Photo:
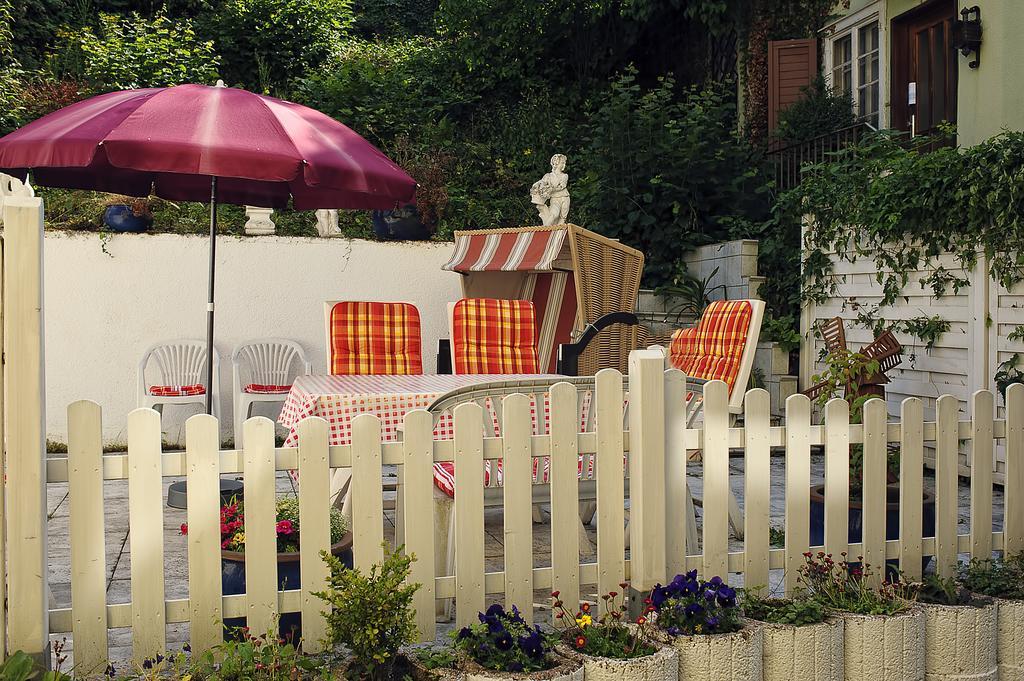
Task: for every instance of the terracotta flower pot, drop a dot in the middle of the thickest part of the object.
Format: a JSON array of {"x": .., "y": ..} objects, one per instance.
[
  {"x": 884, "y": 647},
  {"x": 661, "y": 665},
  {"x": 815, "y": 649},
  {"x": 233, "y": 582},
  {"x": 960, "y": 641},
  {"x": 721, "y": 657}
]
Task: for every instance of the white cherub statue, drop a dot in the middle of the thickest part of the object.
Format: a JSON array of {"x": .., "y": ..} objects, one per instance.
[{"x": 550, "y": 195}]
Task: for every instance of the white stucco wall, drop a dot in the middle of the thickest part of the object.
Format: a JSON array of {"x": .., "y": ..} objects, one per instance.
[{"x": 102, "y": 311}]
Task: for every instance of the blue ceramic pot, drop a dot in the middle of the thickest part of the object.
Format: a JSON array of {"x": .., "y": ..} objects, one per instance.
[
  {"x": 233, "y": 583},
  {"x": 401, "y": 224},
  {"x": 120, "y": 218},
  {"x": 856, "y": 519}
]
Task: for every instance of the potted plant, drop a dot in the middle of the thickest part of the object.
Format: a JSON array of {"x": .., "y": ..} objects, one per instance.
[
  {"x": 503, "y": 646},
  {"x": 883, "y": 631},
  {"x": 844, "y": 371},
  {"x": 371, "y": 615},
  {"x": 701, "y": 620},
  {"x": 799, "y": 633},
  {"x": 433, "y": 663},
  {"x": 608, "y": 647},
  {"x": 232, "y": 535},
  {"x": 128, "y": 214},
  {"x": 1003, "y": 580},
  {"x": 960, "y": 630}
]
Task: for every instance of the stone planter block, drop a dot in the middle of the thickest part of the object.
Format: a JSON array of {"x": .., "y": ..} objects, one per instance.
[
  {"x": 1010, "y": 640},
  {"x": 660, "y": 666},
  {"x": 259, "y": 222},
  {"x": 809, "y": 653},
  {"x": 883, "y": 648},
  {"x": 721, "y": 657},
  {"x": 960, "y": 642}
]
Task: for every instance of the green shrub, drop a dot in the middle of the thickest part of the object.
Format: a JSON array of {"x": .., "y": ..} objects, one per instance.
[
  {"x": 132, "y": 51},
  {"x": 371, "y": 614},
  {"x": 267, "y": 44},
  {"x": 666, "y": 174},
  {"x": 799, "y": 611},
  {"x": 1001, "y": 578},
  {"x": 819, "y": 111},
  {"x": 10, "y": 85}
]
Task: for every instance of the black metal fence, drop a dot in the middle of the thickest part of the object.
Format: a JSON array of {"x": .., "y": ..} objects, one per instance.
[{"x": 787, "y": 163}]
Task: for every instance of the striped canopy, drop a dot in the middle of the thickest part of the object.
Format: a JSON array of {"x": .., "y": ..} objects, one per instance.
[{"x": 511, "y": 250}]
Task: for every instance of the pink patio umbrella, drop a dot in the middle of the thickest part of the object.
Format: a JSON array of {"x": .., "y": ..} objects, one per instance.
[{"x": 198, "y": 143}]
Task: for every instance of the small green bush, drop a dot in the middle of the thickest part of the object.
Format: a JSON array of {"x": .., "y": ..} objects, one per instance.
[
  {"x": 372, "y": 614},
  {"x": 799, "y": 611},
  {"x": 819, "y": 111},
  {"x": 1001, "y": 578}
]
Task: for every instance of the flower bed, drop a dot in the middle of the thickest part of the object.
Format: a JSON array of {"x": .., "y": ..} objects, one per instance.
[
  {"x": 1003, "y": 580},
  {"x": 798, "y": 634}
]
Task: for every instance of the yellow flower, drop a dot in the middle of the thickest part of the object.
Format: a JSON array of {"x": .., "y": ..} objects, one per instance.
[
  {"x": 585, "y": 621},
  {"x": 239, "y": 538}
]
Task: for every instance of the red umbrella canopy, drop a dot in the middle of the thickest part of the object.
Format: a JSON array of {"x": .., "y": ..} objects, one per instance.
[{"x": 171, "y": 141}]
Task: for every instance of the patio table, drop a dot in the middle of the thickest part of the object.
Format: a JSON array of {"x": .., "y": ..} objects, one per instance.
[{"x": 340, "y": 398}]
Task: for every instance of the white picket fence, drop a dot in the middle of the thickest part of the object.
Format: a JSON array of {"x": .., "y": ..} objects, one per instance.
[{"x": 656, "y": 443}]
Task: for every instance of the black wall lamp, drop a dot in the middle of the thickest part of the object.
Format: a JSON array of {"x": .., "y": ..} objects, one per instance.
[{"x": 967, "y": 34}]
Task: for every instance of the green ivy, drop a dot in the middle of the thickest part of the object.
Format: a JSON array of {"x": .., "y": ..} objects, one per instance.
[{"x": 890, "y": 200}]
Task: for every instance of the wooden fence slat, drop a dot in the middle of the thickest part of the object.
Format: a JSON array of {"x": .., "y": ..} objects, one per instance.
[
  {"x": 911, "y": 485},
  {"x": 646, "y": 469},
  {"x": 367, "y": 493},
  {"x": 611, "y": 530},
  {"x": 677, "y": 499},
  {"x": 315, "y": 523},
  {"x": 837, "y": 477},
  {"x": 518, "y": 492},
  {"x": 26, "y": 530},
  {"x": 202, "y": 454},
  {"x": 261, "y": 581},
  {"x": 982, "y": 450},
  {"x": 798, "y": 486},
  {"x": 417, "y": 492},
  {"x": 565, "y": 506},
  {"x": 88, "y": 544},
  {"x": 469, "y": 513},
  {"x": 947, "y": 450},
  {"x": 873, "y": 489},
  {"x": 1013, "y": 531},
  {"x": 716, "y": 480},
  {"x": 757, "y": 488},
  {"x": 146, "y": 532}
]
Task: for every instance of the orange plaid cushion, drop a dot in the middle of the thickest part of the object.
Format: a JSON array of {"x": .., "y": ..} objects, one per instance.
[
  {"x": 713, "y": 349},
  {"x": 263, "y": 389},
  {"x": 491, "y": 336},
  {"x": 375, "y": 338},
  {"x": 177, "y": 390}
]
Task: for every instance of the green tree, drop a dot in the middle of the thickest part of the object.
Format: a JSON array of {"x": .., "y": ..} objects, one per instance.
[
  {"x": 131, "y": 52},
  {"x": 269, "y": 44}
]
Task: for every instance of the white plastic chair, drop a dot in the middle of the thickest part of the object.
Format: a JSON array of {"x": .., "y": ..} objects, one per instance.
[
  {"x": 270, "y": 362},
  {"x": 179, "y": 363}
]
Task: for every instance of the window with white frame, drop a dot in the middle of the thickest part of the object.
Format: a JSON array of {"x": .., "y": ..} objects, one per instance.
[{"x": 852, "y": 61}]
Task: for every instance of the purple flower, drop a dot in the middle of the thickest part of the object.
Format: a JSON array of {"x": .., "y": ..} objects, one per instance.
[
  {"x": 694, "y": 610},
  {"x": 709, "y": 596},
  {"x": 715, "y": 581},
  {"x": 712, "y": 623},
  {"x": 532, "y": 645},
  {"x": 504, "y": 642},
  {"x": 464, "y": 633},
  {"x": 496, "y": 610}
]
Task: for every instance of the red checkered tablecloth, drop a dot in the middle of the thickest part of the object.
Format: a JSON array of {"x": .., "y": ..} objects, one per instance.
[{"x": 339, "y": 399}]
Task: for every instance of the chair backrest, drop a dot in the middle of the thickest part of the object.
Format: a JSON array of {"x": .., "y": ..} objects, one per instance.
[
  {"x": 373, "y": 338},
  {"x": 721, "y": 346},
  {"x": 179, "y": 362},
  {"x": 490, "y": 395},
  {"x": 494, "y": 336},
  {"x": 269, "y": 361}
]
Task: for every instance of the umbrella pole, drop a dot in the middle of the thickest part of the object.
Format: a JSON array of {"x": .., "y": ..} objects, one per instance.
[{"x": 209, "y": 304}]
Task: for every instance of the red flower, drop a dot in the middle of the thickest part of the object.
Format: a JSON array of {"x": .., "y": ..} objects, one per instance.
[
  {"x": 641, "y": 620},
  {"x": 623, "y": 585},
  {"x": 581, "y": 641},
  {"x": 184, "y": 528},
  {"x": 554, "y": 594},
  {"x": 613, "y": 594},
  {"x": 284, "y": 527},
  {"x": 585, "y": 607}
]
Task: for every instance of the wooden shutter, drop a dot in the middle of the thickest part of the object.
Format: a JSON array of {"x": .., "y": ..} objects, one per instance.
[{"x": 792, "y": 65}]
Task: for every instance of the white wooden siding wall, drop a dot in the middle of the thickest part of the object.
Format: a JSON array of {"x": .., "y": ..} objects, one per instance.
[
  {"x": 471, "y": 585},
  {"x": 963, "y": 360}
]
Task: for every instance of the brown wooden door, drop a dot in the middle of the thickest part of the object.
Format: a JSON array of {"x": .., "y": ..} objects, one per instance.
[
  {"x": 923, "y": 54},
  {"x": 792, "y": 65}
]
